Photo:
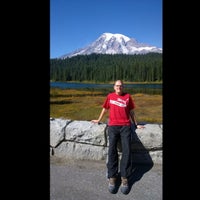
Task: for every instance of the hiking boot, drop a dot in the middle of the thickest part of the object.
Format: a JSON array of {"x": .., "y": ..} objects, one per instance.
[
  {"x": 112, "y": 185},
  {"x": 124, "y": 185}
]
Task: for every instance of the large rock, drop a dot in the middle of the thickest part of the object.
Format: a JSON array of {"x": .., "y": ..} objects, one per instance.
[{"x": 86, "y": 132}]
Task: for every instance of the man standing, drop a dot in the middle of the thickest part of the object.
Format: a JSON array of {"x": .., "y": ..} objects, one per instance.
[{"x": 121, "y": 112}]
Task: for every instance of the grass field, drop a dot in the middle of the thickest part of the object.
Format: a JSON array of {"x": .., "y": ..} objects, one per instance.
[{"x": 79, "y": 104}]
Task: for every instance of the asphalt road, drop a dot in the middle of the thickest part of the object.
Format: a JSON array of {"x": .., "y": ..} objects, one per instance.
[{"x": 86, "y": 180}]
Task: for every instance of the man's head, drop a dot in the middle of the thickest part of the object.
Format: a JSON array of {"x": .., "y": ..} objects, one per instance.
[{"x": 118, "y": 87}]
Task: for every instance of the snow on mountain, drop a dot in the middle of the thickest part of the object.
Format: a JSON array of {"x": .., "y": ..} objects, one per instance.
[{"x": 109, "y": 43}]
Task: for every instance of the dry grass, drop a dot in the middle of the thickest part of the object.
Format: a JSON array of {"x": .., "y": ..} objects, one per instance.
[{"x": 86, "y": 105}]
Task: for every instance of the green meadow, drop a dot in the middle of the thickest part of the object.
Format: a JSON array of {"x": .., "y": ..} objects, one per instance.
[{"x": 86, "y": 104}]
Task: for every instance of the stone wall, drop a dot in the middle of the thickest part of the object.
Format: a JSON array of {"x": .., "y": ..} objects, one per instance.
[{"x": 87, "y": 140}]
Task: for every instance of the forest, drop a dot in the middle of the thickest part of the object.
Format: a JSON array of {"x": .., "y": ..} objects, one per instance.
[{"x": 105, "y": 68}]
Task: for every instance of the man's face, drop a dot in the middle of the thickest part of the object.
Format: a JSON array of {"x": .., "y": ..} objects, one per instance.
[{"x": 118, "y": 87}]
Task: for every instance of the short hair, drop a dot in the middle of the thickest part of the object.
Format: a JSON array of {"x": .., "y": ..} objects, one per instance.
[{"x": 119, "y": 81}]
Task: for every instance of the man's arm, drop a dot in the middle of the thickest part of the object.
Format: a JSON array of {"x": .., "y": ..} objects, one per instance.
[
  {"x": 133, "y": 118},
  {"x": 100, "y": 116}
]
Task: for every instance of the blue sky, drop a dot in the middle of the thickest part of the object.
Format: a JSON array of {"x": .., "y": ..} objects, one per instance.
[{"x": 75, "y": 24}]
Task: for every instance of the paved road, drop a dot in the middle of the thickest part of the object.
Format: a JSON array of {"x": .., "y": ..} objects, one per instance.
[{"x": 86, "y": 180}]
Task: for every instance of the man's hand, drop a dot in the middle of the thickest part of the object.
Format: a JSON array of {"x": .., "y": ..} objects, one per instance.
[
  {"x": 95, "y": 121},
  {"x": 140, "y": 126}
]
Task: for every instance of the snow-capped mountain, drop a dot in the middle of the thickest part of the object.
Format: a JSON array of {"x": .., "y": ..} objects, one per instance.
[{"x": 109, "y": 43}]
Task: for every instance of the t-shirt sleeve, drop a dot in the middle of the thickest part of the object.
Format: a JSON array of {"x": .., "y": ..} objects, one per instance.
[{"x": 106, "y": 104}]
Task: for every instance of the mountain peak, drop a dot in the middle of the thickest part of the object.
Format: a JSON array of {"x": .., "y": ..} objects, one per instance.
[
  {"x": 109, "y": 43},
  {"x": 118, "y": 36}
]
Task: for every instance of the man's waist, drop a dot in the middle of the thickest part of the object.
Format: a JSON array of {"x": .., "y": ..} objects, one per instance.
[{"x": 119, "y": 123}]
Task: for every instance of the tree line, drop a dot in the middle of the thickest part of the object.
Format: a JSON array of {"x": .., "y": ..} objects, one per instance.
[{"x": 106, "y": 68}]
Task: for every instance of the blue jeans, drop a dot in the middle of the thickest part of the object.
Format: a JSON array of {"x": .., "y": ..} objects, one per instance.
[{"x": 116, "y": 133}]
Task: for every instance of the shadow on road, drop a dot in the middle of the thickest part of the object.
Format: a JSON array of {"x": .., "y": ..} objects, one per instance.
[{"x": 141, "y": 160}]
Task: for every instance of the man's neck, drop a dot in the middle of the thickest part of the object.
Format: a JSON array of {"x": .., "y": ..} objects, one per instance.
[{"x": 119, "y": 93}]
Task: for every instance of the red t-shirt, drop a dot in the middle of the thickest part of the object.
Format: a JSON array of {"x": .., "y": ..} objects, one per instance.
[{"x": 119, "y": 108}]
